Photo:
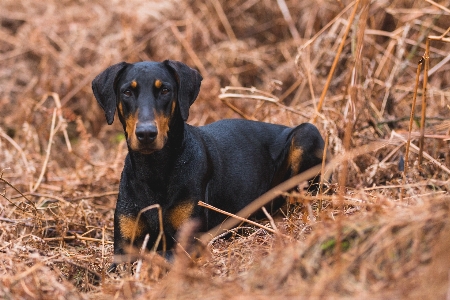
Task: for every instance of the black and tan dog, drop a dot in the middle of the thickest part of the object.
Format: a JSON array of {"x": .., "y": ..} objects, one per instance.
[{"x": 227, "y": 164}]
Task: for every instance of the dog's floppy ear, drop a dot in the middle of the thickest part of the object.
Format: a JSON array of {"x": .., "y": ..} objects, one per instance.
[
  {"x": 189, "y": 81},
  {"x": 103, "y": 87}
]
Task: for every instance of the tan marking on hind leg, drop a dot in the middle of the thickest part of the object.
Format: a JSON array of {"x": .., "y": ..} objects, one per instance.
[{"x": 295, "y": 158}]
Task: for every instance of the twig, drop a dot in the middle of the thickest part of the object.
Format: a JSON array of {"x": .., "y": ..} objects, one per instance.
[
  {"x": 425, "y": 154},
  {"x": 103, "y": 251},
  {"x": 411, "y": 119},
  {"x": 321, "y": 31},
  {"x": 255, "y": 97},
  {"x": 426, "y": 58},
  {"x": 76, "y": 237},
  {"x": 438, "y": 5},
  {"x": 60, "y": 199},
  {"x": 139, "y": 263},
  {"x": 223, "y": 18},
  {"x": 288, "y": 18},
  {"x": 237, "y": 110},
  {"x": 290, "y": 89},
  {"x": 201, "y": 203},
  {"x": 395, "y": 69},
  {"x": 227, "y": 232},
  {"x": 271, "y": 221},
  {"x": 251, "y": 90},
  {"x": 336, "y": 59},
  {"x": 322, "y": 171},
  {"x": 31, "y": 203},
  {"x": 47, "y": 156},
  {"x": 111, "y": 193},
  {"x": 62, "y": 123},
  {"x": 18, "y": 148}
]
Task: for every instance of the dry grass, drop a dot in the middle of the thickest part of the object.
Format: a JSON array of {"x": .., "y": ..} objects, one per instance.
[{"x": 379, "y": 234}]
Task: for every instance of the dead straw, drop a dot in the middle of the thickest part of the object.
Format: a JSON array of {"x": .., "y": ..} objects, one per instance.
[
  {"x": 335, "y": 61},
  {"x": 242, "y": 44},
  {"x": 208, "y": 206},
  {"x": 426, "y": 61},
  {"x": 411, "y": 119}
]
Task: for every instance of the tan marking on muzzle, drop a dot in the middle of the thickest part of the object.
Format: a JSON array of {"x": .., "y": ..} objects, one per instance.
[
  {"x": 172, "y": 110},
  {"x": 130, "y": 122},
  {"x": 120, "y": 106},
  {"x": 162, "y": 123}
]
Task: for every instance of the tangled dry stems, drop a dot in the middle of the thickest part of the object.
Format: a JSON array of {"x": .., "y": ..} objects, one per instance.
[{"x": 377, "y": 235}]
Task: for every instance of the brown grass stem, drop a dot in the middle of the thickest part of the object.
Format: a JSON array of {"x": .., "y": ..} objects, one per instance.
[
  {"x": 322, "y": 171},
  {"x": 223, "y": 18},
  {"x": 426, "y": 58},
  {"x": 411, "y": 120},
  {"x": 239, "y": 218},
  {"x": 137, "y": 275},
  {"x": 288, "y": 18},
  {"x": 271, "y": 221},
  {"x": 335, "y": 61},
  {"x": 47, "y": 156},
  {"x": 446, "y": 9},
  {"x": 18, "y": 148},
  {"x": 425, "y": 154},
  {"x": 76, "y": 237}
]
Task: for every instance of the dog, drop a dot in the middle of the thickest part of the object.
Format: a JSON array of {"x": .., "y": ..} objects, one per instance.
[{"x": 226, "y": 164}]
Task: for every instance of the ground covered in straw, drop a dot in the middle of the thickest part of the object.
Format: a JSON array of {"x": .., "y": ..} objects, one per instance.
[{"x": 376, "y": 232}]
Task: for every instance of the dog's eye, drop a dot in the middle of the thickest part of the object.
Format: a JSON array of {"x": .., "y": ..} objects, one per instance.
[
  {"x": 127, "y": 93},
  {"x": 164, "y": 91}
]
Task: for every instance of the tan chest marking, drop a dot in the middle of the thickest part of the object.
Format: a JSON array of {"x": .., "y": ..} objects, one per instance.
[{"x": 129, "y": 228}]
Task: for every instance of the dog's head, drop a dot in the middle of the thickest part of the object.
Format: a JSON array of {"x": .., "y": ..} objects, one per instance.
[{"x": 147, "y": 95}]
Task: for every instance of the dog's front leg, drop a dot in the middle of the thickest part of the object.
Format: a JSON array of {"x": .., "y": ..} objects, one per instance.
[{"x": 129, "y": 232}]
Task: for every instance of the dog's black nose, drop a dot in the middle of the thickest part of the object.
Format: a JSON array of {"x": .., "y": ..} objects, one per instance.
[{"x": 146, "y": 132}]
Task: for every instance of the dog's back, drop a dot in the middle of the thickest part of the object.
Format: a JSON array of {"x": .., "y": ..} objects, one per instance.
[{"x": 249, "y": 158}]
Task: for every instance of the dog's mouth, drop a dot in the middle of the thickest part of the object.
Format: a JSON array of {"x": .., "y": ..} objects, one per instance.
[
  {"x": 145, "y": 147},
  {"x": 142, "y": 148},
  {"x": 146, "y": 150}
]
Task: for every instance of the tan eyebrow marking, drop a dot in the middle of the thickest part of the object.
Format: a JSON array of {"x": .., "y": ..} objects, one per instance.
[
  {"x": 158, "y": 83},
  {"x": 134, "y": 84}
]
